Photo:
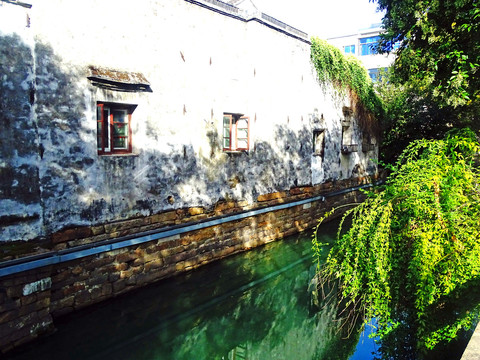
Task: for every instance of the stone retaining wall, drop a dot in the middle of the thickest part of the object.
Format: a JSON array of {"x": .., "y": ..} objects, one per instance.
[{"x": 30, "y": 301}]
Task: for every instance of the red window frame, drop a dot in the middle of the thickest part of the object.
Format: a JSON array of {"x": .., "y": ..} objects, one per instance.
[
  {"x": 106, "y": 127},
  {"x": 231, "y": 129}
]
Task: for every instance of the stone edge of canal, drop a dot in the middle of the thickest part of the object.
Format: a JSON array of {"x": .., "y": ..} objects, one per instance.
[{"x": 472, "y": 351}]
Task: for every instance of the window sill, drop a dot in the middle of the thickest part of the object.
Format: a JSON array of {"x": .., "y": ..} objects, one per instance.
[
  {"x": 118, "y": 155},
  {"x": 235, "y": 151},
  {"x": 348, "y": 149}
]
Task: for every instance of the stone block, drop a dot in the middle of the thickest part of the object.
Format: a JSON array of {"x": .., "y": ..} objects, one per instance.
[
  {"x": 97, "y": 279},
  {"x": 272, "y": 196},
  {"x": 10, "y": 304},
  {"x": 121, "y": 226},
  {"x": 73, "y": 289},
  {"x": 180, "y": 266},
  {"x": 82, "y": 298},
  {"x": 113, "y": 277},
  {"x": 59, "y": 247},
  {"x": 34, "y": 307},
  {"x": 121, "y": 266},
  {"x": 198, "y": 236},
  {"x": 138, "y": 261},
  {"x": 71, "y": 234},
  {"x": 98, "y": 263},
  {"x": 60, "y": 276},
  {"x": 224, "y": 205},
  {"x": 131, "y": 280},
  {"x": 171, "y": 251},
  {"x": 14, "y": 292},
  {"x": 9, "y": 316},
  {"x": 107, "y": 289},
  {"x": 154, "y": 264},
  {"x": 77, "y": 270},
  {"x": 25, "y": 300},
  {"x": 224, "y": 252},
  {"x": 296, "y": 191},
  {"x": 151, "y": 257},
  {"x": 96, "y": 293},
  {"x": 164, "y": 218},
  {"x": 205, "y": 258},
  {"x": 196, "y": 211},
  {"x": 126, "y": 257},
  {"x": 242, "y": 203},
  {"x": 97, "y": 230},
  {"x": 118, "y": 286},
  {"x": 64, "y": 302}
]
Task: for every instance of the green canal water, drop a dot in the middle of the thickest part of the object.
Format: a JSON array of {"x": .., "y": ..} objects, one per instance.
[{"x": 255, "y": 305}]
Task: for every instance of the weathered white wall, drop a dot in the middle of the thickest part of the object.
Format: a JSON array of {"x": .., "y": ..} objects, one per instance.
[
  {"x": 19, "y": 181},
  {"x": 200, "y": 64}
]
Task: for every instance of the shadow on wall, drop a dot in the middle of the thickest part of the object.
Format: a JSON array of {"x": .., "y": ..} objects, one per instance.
[
  {"x": 71, "y": 185},
  {"x": 19, "y": 146}
]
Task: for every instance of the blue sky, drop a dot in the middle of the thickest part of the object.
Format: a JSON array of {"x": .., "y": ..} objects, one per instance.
[{"x": 323, "y": 18}]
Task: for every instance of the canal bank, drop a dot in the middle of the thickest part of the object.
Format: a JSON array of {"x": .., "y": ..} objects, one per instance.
[
  {"x": 254, "y": 305},
  {"x": 472, "y": 351},
  {"x": 40, "y": 289}
]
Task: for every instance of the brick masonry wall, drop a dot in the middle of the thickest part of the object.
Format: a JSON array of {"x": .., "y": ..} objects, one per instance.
[{"x": 30, "y": 301}]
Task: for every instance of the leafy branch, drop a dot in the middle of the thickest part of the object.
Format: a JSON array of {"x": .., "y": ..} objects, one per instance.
[{"x": 413, "y": 244}]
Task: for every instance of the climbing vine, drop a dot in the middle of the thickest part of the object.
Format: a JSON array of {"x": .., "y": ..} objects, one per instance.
[
  {"x": 346, "y": 73},
  {"x": 414, "y": 245}
]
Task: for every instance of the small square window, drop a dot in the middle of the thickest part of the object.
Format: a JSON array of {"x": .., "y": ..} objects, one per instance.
[
  {"x": 114, "y": 132},
  {"x": 349, "y": 49},
  {"x": 236, "y": 132},
  {"x": 367, "y": 45},
  {"x": 367, "y": 143}
]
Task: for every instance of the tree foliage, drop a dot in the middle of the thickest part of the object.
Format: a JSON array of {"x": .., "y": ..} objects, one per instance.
[
  {"x": 439, "y": 46},
  {"x": 434, "y": 83},
  {"x": 415, "y": 243},
  {"x": 411, "y": 114}
]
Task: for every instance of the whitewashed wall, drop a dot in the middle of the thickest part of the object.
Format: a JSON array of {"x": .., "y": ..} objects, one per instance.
[{"x": 200, "y": 64}]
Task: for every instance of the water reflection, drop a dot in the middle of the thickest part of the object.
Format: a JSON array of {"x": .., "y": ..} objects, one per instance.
[{"x": 256, "y": 305}]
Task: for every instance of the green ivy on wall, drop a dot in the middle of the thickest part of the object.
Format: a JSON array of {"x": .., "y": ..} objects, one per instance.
[{"x": 347, "y": 73}]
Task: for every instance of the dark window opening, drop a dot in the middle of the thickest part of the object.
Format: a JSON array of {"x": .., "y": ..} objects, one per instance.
[
  {"x": 319, "y": 142},
  {"x": 347, "y": 135},
  {"x": 367, "y": 143}
]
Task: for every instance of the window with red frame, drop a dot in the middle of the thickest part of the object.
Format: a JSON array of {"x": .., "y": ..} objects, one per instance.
[
  {"x": 236, "y": 132},
  {"x": 114, "y": 132}
]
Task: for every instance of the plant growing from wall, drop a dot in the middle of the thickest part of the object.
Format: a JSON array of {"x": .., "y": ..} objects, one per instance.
[
  {"x": 347, "y": 74},
  {"x": 414, "y": 245}
]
